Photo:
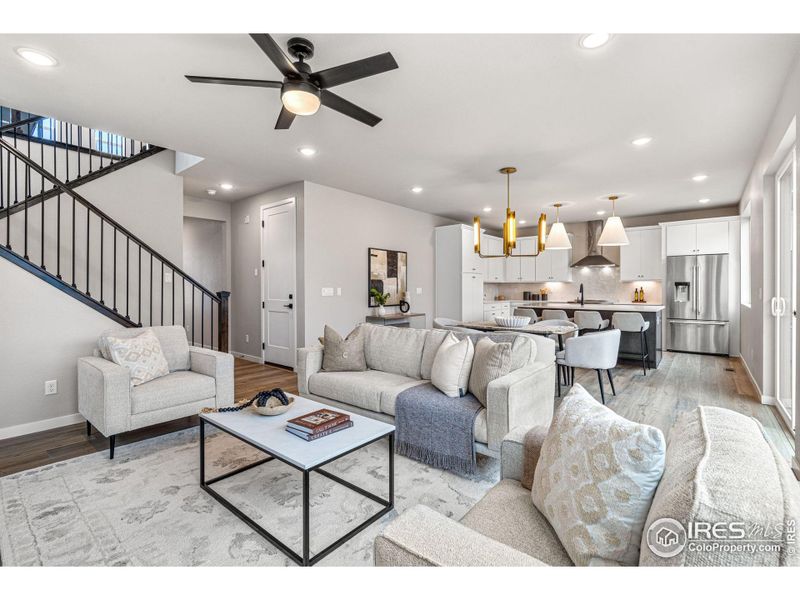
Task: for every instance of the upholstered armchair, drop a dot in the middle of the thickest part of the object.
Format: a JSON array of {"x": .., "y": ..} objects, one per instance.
[{"x": 198, "y": 378}]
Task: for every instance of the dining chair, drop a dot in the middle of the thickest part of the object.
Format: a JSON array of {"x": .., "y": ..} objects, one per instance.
[
  {"x": 589, "y": 320},
  {"x": 526, "y": 312},
  {"x": 597, "y": 351},
  {"x": 445, "y": 323},
  {"x": 633, "y": 322},
  {"x": 550, "y": 314}
]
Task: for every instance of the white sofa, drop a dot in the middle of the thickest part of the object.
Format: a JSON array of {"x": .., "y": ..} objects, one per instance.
[
  {"x": 400, "y": 358},
  {"x": 198, "y": 378}
]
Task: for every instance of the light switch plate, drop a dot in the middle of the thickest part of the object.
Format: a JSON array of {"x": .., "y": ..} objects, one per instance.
[
  {"x": 327, "y": 291},
  {"x": 246, "y": 338},
  {"x": 246, "y": 219},
  {"x": 255, "y": 272},
  {"x": 338, "y": 291},
  {"x": 167, "y": 276},
  {"x": 419, "y": 291}
]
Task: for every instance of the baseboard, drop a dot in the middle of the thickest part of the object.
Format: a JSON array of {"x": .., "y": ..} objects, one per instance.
[
  {"x": 36, "y": 426},
  {"x": 249, "y": 357},
  {"x": 764, "y": 399}
]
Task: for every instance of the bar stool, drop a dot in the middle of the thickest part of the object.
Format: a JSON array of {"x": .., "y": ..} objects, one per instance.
[
  {"x": 598, "y": 351},
  {"x": 526, "y": 312},
  {"x": 589, "y": 320},
  {"x": 633, "y": 322},
  {"x": 554, "y": 315}
]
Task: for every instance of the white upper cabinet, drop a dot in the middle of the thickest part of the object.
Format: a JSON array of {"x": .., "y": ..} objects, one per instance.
[
  {"x": 470, "y": 260},
  {"x": 553, "y": 265},
  {"x": 527, "y": 265},
  {"x": 705, "y": 237},
  {"x": 494, "y": 268},
  {"x": 641, "y": 259},
  {"x": 512, "y": 265}
]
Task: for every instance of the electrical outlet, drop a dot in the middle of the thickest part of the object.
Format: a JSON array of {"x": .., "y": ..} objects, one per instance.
[
  {"x": 338, "y": 291},
  {"x": 327, "y": 291},
  {"x": 255, "y": 272},
  {"x": 51, "y": 387},
  {"x": 246, "y": 338}
]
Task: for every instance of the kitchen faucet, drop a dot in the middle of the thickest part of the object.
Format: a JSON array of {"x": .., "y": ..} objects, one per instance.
[{"x": 580, "y": 295}]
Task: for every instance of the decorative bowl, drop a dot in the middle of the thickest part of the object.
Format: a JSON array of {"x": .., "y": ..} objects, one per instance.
[
  {"x": 273, "y": 407},
  {"x": 514, "y": 321}
]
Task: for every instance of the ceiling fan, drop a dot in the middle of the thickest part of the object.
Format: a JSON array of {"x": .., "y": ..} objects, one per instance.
[{"x": 302, "y": 90}]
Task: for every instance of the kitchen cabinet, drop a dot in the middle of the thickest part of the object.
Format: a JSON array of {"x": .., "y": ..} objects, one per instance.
[
  {"x": 493, "y": 268},
  {"x": 470, "y": 260},
  {"x": 471, "y": 297},
  {"x": 459, "y": 274},
  {"x": 496, "y": 309},
  {"x": 701, "y": 237},
  {"x": 527, "y": 265},
  {"x": 641, "y": 259},
  {"x": 553, "y": 265}
]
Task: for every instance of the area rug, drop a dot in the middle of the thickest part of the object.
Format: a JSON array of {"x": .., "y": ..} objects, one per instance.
[{"x": 146, "y": 507}]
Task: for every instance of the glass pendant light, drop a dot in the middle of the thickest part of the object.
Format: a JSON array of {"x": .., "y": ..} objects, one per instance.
[
  {"x": 558, "y": 239},
  {"x": 613, "y": 233}
]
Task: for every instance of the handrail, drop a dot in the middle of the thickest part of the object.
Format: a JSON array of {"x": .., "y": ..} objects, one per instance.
[
  {"x": 60, "y": 144},
  {"x": 17, "y": 124},
  {"x": 118, "y": 226}
]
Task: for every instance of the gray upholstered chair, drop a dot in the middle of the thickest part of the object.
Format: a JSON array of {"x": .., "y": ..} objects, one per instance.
[
  {"x": 445, "y": 323},
  {"x": 526, "y": 312},
  {"x": 633, "y": 322},
  {"x": 549, "y": 314},
  {"x": 589, "y": 320},
  {"x": 597, "y": 351},
  {"x": 198, "y": 378}
]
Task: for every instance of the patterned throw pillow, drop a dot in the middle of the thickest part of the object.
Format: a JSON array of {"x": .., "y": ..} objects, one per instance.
[
  {"x": 491, "y": 361},
  {"x": 595, "y": 480},
  {"x": 343, "y": 354},
  {"x": 141, "y": 355}
]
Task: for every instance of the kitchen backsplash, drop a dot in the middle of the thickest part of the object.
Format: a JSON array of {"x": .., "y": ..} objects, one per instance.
[{"x": 598, "y": 284}]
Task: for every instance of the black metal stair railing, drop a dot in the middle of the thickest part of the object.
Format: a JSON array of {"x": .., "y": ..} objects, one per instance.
[{"x": 52, "y": 231}]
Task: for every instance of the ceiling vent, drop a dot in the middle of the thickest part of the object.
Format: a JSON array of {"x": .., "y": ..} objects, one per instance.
[{"x": 595, "y": 258}]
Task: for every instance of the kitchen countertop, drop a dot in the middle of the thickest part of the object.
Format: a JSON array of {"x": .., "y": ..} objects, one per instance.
[{"x": 622, "y": 307}]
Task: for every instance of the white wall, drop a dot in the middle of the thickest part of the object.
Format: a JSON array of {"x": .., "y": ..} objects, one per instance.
[
  {"x": 204, "y": 251},
  {"x": 212, "y": 210}
]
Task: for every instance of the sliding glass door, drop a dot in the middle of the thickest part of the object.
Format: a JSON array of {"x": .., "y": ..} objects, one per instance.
[{"x": 784, "y": 304}]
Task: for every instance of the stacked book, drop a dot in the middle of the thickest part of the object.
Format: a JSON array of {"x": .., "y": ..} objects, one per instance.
[{"x": 318, "y": 424}]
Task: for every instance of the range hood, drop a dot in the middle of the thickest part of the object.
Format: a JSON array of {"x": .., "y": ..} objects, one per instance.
[{"x": 595, "y": 257}]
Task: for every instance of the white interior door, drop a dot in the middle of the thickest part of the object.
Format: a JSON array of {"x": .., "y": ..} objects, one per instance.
[
  {"x": 278, "y": 281},
  {"x": 784, "y": 304}
]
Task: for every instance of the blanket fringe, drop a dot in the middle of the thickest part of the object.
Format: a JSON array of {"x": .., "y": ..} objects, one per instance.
[{"x": 436, "y": 459}]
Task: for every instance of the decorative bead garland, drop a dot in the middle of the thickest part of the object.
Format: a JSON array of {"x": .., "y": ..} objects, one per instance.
[{"x": 260, "y": 399}]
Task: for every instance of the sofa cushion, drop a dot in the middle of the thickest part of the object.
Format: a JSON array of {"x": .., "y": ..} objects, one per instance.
[
  {"x": 506, "y": 514},
  {"x": 720, "y": 468},
  {"x": 452, "y": 365},
  {"x": 171, "y": 337},
  {"x": 174, "y": 389},
  {"x": 394, "y": 349},
  {"x": 343, "y": 354},
  {"x": 433, "y": 340},
  {"x": 358, "y": 388},
  {"x": 595, "y": 479},
  {"x": 141, "y": 355},
  {"x": 523, "y": 351},
  {"x": 491, "y": 361}
]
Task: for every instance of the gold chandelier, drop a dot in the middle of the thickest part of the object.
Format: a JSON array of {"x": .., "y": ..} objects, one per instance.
[{"x": 509, "y": 226}]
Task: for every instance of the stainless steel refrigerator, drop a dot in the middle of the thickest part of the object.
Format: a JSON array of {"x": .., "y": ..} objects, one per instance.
[{"x": 697, "y": 303}]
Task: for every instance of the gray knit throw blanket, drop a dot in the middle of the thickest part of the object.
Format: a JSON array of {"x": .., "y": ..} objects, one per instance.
[{"x": 436, "y": 429}]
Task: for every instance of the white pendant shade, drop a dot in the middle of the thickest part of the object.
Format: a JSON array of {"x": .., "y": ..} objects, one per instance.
[
  {"x": 613, "y": 233},
  {"x": 558, "y": 239}
]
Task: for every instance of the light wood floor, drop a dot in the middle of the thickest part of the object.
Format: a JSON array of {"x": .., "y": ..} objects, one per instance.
[{"x": 681, "y": 382}]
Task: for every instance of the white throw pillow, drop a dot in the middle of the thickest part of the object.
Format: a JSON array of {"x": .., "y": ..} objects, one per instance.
[
  {"x": 491, "y": 361},
  {"x": 596, "y": 478},
  {"x": 451, "y": 366},
  {"x": 141, "y": 355}
]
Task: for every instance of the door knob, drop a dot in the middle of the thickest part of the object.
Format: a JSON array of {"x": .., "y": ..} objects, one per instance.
[{"x": 290, "y": 305}]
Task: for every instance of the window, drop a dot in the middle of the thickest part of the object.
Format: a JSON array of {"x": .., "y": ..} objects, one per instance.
[{"x": 745, "y": 260}]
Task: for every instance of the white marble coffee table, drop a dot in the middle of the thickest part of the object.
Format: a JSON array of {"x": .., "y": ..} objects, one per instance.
[{"x": 268, "y": 435}]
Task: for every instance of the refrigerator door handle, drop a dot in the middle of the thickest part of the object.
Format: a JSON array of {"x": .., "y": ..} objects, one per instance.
[{"x": 696, "y": 278}]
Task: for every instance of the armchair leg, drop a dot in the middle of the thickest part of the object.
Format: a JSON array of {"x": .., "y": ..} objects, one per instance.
[
  {"x": 558, "y": 379},
  {"x": 600, "y": 381},
  {"x": 88, "y": 429},
  {"x": 111, "y": 443}
]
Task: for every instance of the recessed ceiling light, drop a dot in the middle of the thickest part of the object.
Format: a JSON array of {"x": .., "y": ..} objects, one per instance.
[
  {"x": 601, "y": 212},
  {"x": 704, "y": 200},
  {"x": 37, "y": 57},
  {"x": 642, "y": 141},
  {"x": 487, "y": 209},
  {"x": 522, "y": 222},
  {"x": 306, "y": 151},
  {"x": 416, "y": 189},
  {"x": 211, "y": 191},
  {"x": 700, "y": 177},
  {"x": 226, "y": 186},
  {"x": 590, "y": 41}
]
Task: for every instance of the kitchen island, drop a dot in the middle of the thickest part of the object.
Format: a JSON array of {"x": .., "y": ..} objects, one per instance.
[{"x": 629, "y": 344}]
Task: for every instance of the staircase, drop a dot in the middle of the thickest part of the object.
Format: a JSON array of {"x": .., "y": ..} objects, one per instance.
[{"x": 49, "y": 229}]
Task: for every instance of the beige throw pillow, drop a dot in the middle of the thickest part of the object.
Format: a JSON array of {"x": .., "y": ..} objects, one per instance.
[
  {"x": 343, "y": 354},
  {"x": 490, "y": 362},
  {"x": 141, "y": 355},
  {"x": 595, "y": 480},
  {"x": 451, "y": 366}
]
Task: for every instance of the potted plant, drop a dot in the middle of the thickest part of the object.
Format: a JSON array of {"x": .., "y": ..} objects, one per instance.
[{"x": 380, "y": 300}]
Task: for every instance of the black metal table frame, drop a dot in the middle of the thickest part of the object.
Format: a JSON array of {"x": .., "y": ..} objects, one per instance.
[{"x": 306, "y": 559}]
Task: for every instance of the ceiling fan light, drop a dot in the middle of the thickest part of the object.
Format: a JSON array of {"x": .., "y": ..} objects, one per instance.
[
  {"x": 300, "y": 98},
  {"x": 558, "y": 239},
  {"x": 613, "y": 233}
]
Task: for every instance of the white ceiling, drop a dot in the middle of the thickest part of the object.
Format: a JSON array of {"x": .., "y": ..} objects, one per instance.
[{"x": 458, "y": 108}]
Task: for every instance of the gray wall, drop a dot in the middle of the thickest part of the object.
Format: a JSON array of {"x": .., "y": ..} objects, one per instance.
[
  {"x": 43, "y": 330},
  {"x": 246, "y": 267},
  {"x": 204, "y": 251},
  {"x": 212, "y": 210}
]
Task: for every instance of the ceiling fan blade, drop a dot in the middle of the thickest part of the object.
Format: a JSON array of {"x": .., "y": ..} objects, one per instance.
[
  {"x": 359, "y": 69},
  {"x": 233, "y": 81},
  {"x": 345, "y": 107},
  {"x": 275, "y": 54},
  {"x": 284, "y": 119}
]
